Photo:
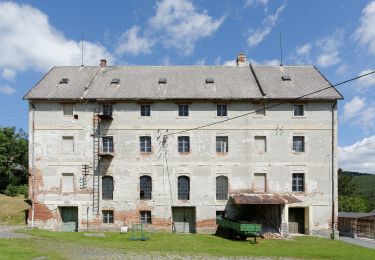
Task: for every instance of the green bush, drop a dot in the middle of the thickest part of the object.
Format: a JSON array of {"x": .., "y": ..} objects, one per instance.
[{"x": 13, "y": 190}]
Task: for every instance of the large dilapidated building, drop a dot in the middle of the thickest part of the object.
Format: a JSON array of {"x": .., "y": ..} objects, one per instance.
[{"x": 176, "y": 147}]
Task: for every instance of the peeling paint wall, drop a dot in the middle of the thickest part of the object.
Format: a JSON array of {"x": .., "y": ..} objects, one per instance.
[{"x": 202, "y": 164}]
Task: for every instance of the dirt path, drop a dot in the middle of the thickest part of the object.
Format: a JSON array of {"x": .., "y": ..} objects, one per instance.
[{"x": 9, "y": 232}]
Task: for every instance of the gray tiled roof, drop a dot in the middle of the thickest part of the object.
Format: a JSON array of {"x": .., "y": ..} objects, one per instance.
[
  {"x": 355, "y": 214},
  {"x": 183, "y": 82}
]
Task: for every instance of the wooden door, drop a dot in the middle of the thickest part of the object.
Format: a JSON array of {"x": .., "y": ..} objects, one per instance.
[
  {"x": 69, "y": 217},
  {"x": 184, "y": 219}
]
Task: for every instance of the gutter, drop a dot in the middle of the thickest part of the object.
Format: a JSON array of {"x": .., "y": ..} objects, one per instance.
[
  {"x": 333, "y": 169},
  {"x": 32, "y": 167}
]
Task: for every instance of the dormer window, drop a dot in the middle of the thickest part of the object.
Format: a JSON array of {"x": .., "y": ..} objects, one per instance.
[
  {"x": 209, "y": 80},
  {"x": 115, "y": 81},
  {"x": 162, "y": 81},
  {"x": 285, "y": 78},
  {"x": 64, "y": 81}
]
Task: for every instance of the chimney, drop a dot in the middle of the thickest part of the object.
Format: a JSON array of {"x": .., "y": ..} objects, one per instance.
[
  {"x": 241, "y": 59},
  {"x": 103, "y": 63}
]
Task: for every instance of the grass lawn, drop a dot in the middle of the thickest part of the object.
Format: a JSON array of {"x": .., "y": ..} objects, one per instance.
[
  {"x": 12, "y": 210},
  {"x": 197, "y": 245}
]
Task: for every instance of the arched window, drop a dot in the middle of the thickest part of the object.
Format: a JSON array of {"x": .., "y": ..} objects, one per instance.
[
  {"x": 145, "y": 187},
  {"x": 221, "y": 187},
  {"x": 107, "y": 188},
  {"x": 183, "y": 188}
]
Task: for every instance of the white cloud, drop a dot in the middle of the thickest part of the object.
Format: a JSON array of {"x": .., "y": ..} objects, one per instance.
[
  {"x": 8, "y": 74},
  {"x": 7, "y": 90},
  {"x": 217, "y": 61},
  {"x": 352, "y": 107},
  {"x": 367, "y": 81},
  {"x": 358, "y": 156},
  {"x": 29, "y": 41},
  {"x": 134, "y": 44},
  {"x": 250, "y": 3},
  {"x": 165, "y": 61},
  {"x": 268, "y": 23},
  {"x": 273, "y": 62},
  {"x": 201, "y": 62},
  {"x": 366, "y": 118},
  {"x": 181, "y": 25},
  {"x": 230, "y": 63},
  {"x": 304, "y": 49},
  {"x": 329, "y": 50},
  {"x": 365, "y": 34}
]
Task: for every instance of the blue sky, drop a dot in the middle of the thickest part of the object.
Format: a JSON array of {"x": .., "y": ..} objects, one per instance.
[{"x": 336, "y": 36}]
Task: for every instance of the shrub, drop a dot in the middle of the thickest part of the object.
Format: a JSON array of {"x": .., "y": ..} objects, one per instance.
[{"x": 13, "y": 190}]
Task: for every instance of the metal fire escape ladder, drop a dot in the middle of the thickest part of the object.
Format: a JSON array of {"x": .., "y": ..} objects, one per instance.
[{"x": 96, "y": 162}]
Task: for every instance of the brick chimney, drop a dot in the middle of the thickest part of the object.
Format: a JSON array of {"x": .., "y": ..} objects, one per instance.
[
  {"x": 103, "y": 63},
  {"x": 241, "y": 59}
]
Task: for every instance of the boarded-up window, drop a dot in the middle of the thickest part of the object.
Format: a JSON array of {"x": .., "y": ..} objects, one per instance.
[
  {"x": 259, "y": 182},
  {"x": 68, "y": 109},
  {"x": 67, "y": 182},
  {"x": 221, "y": 188},
  {"x": 260, "y": 144},
  {"x": 67, "y": 144},
  {"x": 107, "y": 188}
]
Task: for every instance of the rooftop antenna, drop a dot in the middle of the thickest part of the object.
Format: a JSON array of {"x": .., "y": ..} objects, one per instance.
[
  {"x": 82, "y": 49},
  {"x": 281, "y": 51}
]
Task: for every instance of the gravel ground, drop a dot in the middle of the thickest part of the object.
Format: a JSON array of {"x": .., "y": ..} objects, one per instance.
[
  {"x": 9, "y": 232},
  {"x": 370, "y": 243}
]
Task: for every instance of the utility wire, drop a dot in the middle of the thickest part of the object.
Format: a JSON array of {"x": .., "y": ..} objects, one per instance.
[{"x": 275, "y": 105}]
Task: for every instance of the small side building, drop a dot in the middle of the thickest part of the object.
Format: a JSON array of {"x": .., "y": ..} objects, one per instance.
[{"x": 357, "y": 224}]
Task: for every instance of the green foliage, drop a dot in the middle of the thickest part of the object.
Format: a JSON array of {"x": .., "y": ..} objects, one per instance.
[
  {"x": 345, "y": 185},
  {"x": 13, "y": 157},
  {"x": 14, "y": 190},
  {"x": 352, "y": 204}
]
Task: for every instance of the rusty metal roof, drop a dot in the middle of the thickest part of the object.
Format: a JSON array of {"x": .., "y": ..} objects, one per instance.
[{"x": 271, "y": 198}]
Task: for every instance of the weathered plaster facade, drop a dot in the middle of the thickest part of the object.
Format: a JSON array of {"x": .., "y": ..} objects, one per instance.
[
  {"x": 257, "y": 161},
  {"x": 164, "y": 164}
]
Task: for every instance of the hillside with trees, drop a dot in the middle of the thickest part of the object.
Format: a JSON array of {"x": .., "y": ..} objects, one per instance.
[{"x": 356, "y": 191}]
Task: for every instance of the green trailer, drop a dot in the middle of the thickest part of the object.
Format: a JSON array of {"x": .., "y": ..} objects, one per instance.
[{"x": 240, "y": 229}]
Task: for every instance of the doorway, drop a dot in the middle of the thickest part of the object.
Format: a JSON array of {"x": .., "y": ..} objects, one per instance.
[
  {"x": 184, "y": 219},
  {"x": 297, "y": 220},
  {"x": 69, "y": 219}
]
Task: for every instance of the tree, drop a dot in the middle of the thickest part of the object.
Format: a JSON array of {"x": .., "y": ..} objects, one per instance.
[
  {"x": 345, "y": 184},
  {"x": 13, "y": 157},
  {"x": 352, "y": 204}
]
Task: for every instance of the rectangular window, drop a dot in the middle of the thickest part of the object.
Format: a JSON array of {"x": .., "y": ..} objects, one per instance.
[
  {"x": 68, "y": 109},
  {"x": 222, "y": 110},
  {"x": 298, "y": 110},
  {"x": 298, "y": 182},
  {"x": 222, "y": 144},
  {"x": 260, "y": 144},
  {"x": 183, "y": 110},
  {"x": 67, "y": 144},
  {"x": 107, "y": 216},
  {"x": 145, "y": 217},
  {"x": 145, "y": 110},
  {"x": 107, "y": 110},
  {"x": 107, "y": 142},
  {"x": 67, "y": 182},
  {"x": 183, "y": 144},
  {"x": 145, "y": 144},
  {"x": 298, "y": 144},
  {"x": 260, "y": 109}
]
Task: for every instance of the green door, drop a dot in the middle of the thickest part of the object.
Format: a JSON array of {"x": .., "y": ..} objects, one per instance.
[
  {"x": 69, "y": 217},
  {"x": 184, "y": 219}
]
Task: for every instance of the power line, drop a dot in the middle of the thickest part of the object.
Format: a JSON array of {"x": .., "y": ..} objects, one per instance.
[{"x": 275, "y": 105}]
